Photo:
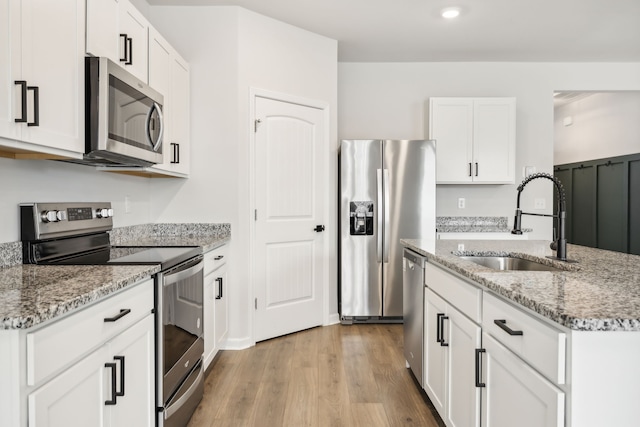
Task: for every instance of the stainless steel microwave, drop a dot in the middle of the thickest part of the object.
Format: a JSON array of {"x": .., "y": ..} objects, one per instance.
[{"x": 124, "y": 121}]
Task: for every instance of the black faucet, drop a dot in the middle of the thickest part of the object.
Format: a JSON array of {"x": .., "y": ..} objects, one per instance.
[{"x": 559, "y": 243}]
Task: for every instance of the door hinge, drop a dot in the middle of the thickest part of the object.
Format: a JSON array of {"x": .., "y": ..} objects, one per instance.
[
  {"x": 256, "y": 122},
  {"x": 256, "y": 303}
]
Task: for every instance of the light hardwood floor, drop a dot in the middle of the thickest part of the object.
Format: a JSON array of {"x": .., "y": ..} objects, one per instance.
[{"x": 327, "y": 376}]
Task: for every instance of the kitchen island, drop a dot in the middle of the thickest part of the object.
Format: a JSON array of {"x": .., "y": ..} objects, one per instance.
[{"x": 552, "y": 348}]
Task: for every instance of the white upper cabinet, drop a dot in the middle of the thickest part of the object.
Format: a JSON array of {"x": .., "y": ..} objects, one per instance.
[
  {"x": 134, "y": 33},
  {"x": 103, "y": 35},
  {"x": 169, "y": 75},
  {"x": 475, "y": 139},
  {"x": 42, "y": 77},
  {"x": 118, "y": 31}
]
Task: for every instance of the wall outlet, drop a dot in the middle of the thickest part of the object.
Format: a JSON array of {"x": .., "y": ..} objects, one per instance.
[
  {"x": 461, "y": 203},
  {"x": 127, "y": 204},
  {"x": 539, "y": 203}
]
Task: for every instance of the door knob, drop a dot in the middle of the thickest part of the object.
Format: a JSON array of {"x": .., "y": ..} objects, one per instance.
[{"x": 319, "y": 228}]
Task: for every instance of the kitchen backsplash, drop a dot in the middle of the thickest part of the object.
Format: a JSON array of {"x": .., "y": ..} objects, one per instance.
[{"x": 450, "y": 224}]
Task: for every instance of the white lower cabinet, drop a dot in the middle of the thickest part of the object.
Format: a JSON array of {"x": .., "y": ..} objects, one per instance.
[
  {"x": 514, "y": 393},
  {"x": 84, "y": 394},
  {"x": 450, "y": 343},
  {"x": 216, "y": 303},
  {"x": 91, "y": 367}
]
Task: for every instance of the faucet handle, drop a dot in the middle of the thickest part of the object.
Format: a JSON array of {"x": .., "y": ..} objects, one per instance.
[{"x": 554, "y": 242}]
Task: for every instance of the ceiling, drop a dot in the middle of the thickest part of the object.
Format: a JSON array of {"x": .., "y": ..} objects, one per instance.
[{"x": 487, "y": 30}]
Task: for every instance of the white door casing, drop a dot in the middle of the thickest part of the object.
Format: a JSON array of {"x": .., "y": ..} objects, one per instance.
[{"x": 289, "y": 201}]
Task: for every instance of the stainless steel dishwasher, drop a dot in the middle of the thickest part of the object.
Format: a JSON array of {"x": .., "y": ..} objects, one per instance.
[{"x": 413, "y": 311}]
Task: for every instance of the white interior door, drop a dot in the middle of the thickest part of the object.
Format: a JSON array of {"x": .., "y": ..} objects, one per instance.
[{"x": 289, "y": 201}]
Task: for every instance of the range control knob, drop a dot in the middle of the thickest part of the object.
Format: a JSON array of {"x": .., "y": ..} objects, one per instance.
[
  {"x": 110, "y": 212},
  {"x": 49, "y": 216},
  {"x": 61, "y": 215},
  {"x": 102, "y": 213}
]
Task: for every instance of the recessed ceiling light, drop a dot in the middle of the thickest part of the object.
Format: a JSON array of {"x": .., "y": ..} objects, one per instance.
[{"x": 451, "y": 12}]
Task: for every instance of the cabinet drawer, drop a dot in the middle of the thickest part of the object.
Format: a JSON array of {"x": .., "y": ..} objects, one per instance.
[
  {"x": 215, "y": 258},
  {"x": 540, "y": 344},
  {"x": 462, "y": 295},
  {"x": 57, "y": 345}
]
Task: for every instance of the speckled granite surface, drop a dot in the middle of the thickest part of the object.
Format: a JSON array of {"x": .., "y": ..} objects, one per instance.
[
  {"x": 473, "y": 224},
  {"x": 206, "y": 235},
  {"x": 599, "y": 293},
  {"x": 32, "y": 294},
  {"x": 10, "y": 254}
]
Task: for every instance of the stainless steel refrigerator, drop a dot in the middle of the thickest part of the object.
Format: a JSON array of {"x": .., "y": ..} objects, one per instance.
[{"x": 387, "y": 194}]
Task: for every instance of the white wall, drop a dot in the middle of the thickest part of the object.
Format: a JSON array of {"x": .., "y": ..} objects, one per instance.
[
  {"x": 603, "y": 125},
  {"x": 25, "y": 181},
  {"x": 389, "y": 100},
  {"x": 230, "y": 51}
]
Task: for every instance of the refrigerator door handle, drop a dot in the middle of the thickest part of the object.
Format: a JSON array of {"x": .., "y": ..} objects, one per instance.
[
  {"x": 379, "y": 204},
  {"x": 387, "y": 202}
]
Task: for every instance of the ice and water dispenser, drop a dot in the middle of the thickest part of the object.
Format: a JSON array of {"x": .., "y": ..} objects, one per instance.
[{"x": 361, "y": 218}]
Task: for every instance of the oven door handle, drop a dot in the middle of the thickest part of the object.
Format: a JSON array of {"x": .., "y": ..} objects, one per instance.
[{"x": 184, "y": 271}]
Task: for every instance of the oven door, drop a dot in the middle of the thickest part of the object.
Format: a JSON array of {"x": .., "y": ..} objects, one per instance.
[{"x": 180, "y": 344}]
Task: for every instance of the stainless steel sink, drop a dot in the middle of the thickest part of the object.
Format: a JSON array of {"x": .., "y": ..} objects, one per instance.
[{"x": 509, "y": 263}]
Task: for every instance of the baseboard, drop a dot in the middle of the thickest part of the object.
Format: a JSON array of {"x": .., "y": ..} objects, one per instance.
[
  {"x": 333, "y": 319},
  {"x": 238, "y": 343}
]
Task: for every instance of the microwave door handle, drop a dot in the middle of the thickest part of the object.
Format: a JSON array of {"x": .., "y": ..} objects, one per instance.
[{"x": 147, "y": 129}]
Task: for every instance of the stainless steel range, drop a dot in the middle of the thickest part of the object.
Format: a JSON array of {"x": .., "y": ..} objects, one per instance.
[{"x": 77, "y": 234}]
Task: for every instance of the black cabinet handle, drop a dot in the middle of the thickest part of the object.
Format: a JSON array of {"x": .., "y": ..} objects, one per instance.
[
  {"x": 23, "y": 97},
  {"x": 36, "y": 106},
  {"x": 470, "y": 169},
  {"x": 219, "y": 280},
  {"x": 502, "y": 324},
  {"x": 118, "y": 316},
  {"x": 176, "y": 152},
  {"x": 125, "y": 38},
  {"x": 319, "y": 228},
  {"x": 476, "y": 168},
  {"x": 121, "y": 359},
  {"x": 439, "y": 330},
  {"x": 479, "y": 351},
  {"x": 130, "y": 45},
  {"x": 112, "y": 401},
  {"x": 442, "y": 342},
  {"x": 219, "y": 257}
]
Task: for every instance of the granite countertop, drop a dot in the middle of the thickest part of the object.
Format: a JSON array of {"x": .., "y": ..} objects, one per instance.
[
  {"x": 32, "y": 294},
  {"x": 601, "y": 292}
]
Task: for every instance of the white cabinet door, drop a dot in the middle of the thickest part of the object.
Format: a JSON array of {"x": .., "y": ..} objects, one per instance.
[
  {"x": 209, "y": 328},
  {"x": 75, "y": 398},
  {"x": 10, "y": 69},
  {"x": 515, "y": 394},
  {"x": 169, "y": 74},
  {"x": 133, "y": 353},
  {"x": 216, "y": 304},
  {"x": 50, "y": 62},
  {"x": 103, "y": 37},
  {"x": 450, "y": 343},
  {"x": 494, "y": 137},
  {"x": 436, "y": 361},
  {"x": 178, "y": 142},
  {"x": 83, "y": 394},
  {"x": 463, "y": 397},
  {"x": 451, "y": 125},
  {"x": 475, "y": 139},
  {"x": 134, "y": 29},
  {"x": 221, "y": 307}
]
